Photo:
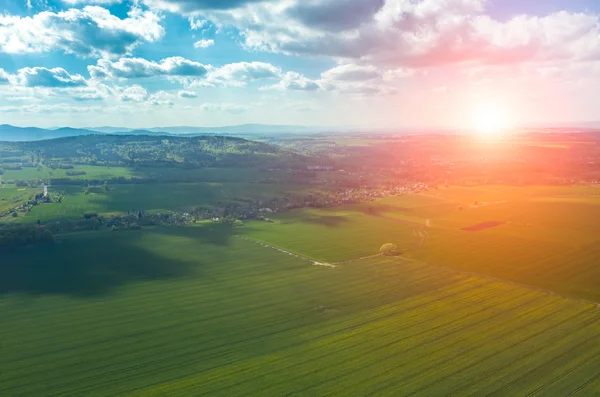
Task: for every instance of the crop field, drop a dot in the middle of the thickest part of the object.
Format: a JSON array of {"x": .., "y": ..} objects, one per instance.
[
  {"x": 198, "y": 311},
  {"x": 547, "y": 237}
]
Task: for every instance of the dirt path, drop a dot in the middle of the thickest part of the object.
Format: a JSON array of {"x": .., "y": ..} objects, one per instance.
[
  {"x": 312, "y": 261},
  {"x": 455, "y": 270},
  {"x": 358, "y": 259}
]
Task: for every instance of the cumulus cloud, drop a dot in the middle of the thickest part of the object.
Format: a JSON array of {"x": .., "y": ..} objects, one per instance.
[
  {"x": 195, "y": 74},
  {"x": 187, "y": 94},
  {"x": 161, "y": 98},
  {"x": 239, "y": 74},
  {"x": 197, "y": 6},
  {"x": 135, "y": 93},
  {"x": 89, "y": 32},
  {"x": 401, "y": 33},
  {"x": 352, "y": 72},
  {"x": 129, "y": 68},
  {"x": 196, "y": 24},
  {"x": 4, "y": 77},
  {"x": 204, "y": 43},
  {"x": 334, "y": 15},
  {"x": 88, "y": 96},
  {"x": 100, "y": 2},
  {"x": 52, "y": 78},
  {"x": 293, "y": 81}
]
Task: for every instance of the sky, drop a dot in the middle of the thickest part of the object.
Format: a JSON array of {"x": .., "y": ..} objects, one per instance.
[{"x": 353, "y": 63}]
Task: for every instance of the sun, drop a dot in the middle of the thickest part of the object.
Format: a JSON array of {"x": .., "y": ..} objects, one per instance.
[{"x": 489, "y": 121}]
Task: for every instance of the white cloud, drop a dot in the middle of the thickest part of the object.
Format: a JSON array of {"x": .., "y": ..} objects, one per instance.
[
  {"x": 135, "y": 93},
  {"x": 130, "y": 68},
  {"x": 44, "y": 77},
  {"x": 161, "y": 98},
  {"x": 191, "y": 7},
  {"x": 401, "y": 33},
  {"x": 99, "y": 2},
  {"x": 352, "y": 72},
  {"x": 293, "y": 81},
  {"x": 4, "y": 77},
  {"x": 187, "y": 94},
  {"x": 239, "y": 74},
  {"x": 204, "y": 43},
  {"x": 90, "y": 32},
  {"x": 196, "y": 24},
  {"x": 234, "y": 74}
]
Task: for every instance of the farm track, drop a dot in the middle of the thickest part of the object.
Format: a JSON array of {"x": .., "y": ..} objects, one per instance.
[{"x": 469, "y": 273}]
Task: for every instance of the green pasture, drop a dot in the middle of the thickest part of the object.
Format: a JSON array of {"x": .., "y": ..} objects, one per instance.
[{"x": 198, "y": 311}]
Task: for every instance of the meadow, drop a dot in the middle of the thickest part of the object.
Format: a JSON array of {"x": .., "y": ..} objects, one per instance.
[{"x": 200, "y": 311}]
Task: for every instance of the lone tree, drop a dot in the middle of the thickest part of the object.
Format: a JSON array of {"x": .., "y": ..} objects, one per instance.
[{"x": 389, "y": 249}]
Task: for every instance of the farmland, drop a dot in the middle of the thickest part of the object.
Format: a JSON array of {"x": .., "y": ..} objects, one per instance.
[
  {"x": 197, "y": 310},
  {"x": 92, "y": 172},
  {"x": 149, "y": 197},
  {"x": 549, "y": 236}
]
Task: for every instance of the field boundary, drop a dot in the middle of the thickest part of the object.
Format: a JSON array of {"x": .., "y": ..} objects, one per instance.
[
  {"x": 445, "y": 267},
  {"x": 314, "y": 262}
]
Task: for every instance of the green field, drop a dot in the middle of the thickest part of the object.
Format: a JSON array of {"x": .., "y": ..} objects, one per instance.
[
  {"x": 91, "y": 172},
  {"x": 149, "y": 197},
  {"x": 198, "y": 311},
  {"x": 11, "y": 197},
  {"x": 163, "y": 173},
  {"x": 550, "y": 238},
  {"x": 218, "y": 310}
]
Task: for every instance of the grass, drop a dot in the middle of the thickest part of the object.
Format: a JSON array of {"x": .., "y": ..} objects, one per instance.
[
  {"x": 544, "y": 242},
  {"x": 197, "y": 311},
  {"x": 150, "y": 197},
  {"x": 11, "y": 197},
  {"x": 91, "y": 172},
  {"x": 164, "y": 173}
]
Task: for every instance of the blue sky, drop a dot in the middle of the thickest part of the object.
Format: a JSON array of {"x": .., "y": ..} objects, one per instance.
[{"x": 379, "y": 63}]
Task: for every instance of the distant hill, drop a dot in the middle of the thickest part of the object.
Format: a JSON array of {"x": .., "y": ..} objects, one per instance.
[
  {"x": 244, "y": 129},
  {"x": 155, "y": 151},
  {"x": 238, "y": 129},
  {"x": 108, "y": 130},
  {"x": 10, "y": 133}
]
